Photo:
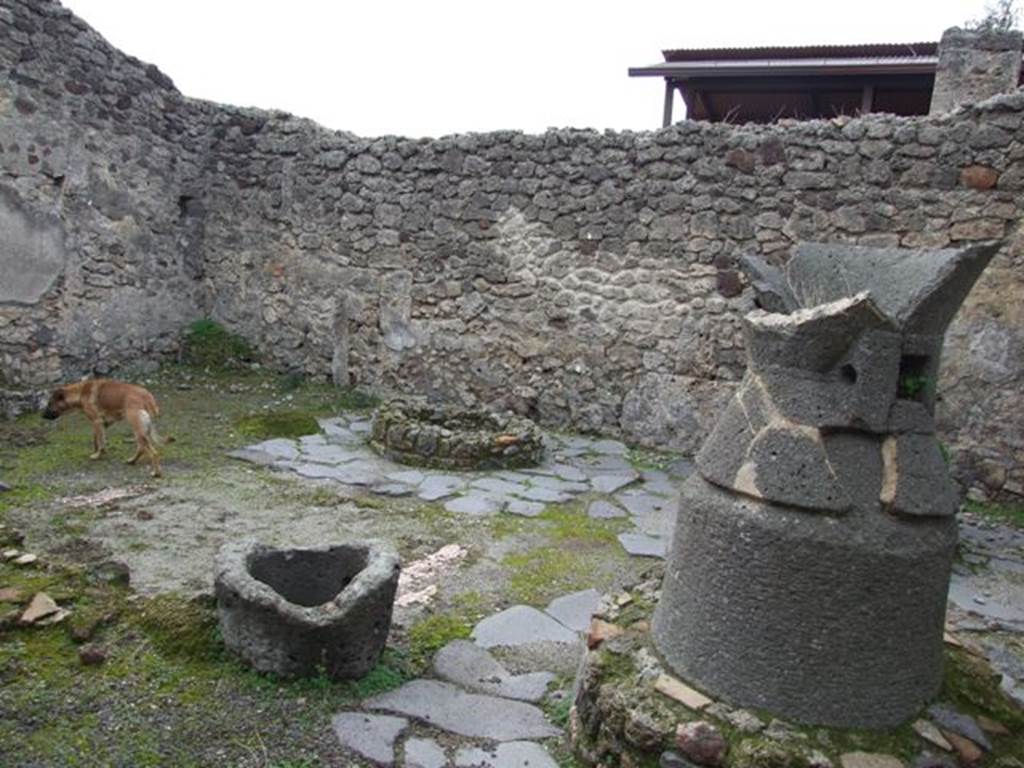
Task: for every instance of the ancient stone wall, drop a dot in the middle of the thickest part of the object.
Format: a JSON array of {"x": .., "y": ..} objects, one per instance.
[
  {"x": 98, "y": 160},
  {"x": 583, "y": 278}
]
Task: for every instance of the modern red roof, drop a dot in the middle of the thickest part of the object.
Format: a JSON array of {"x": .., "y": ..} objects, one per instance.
[{"x": 867, "y": 50}]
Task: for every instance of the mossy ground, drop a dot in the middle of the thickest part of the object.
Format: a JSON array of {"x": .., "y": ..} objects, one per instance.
[
  {"x": 1005, "y": 513},
  {"x": 168, "y": 693}
]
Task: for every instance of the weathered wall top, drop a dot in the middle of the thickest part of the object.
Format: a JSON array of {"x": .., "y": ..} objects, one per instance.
[{"x": 975, "y": 65}]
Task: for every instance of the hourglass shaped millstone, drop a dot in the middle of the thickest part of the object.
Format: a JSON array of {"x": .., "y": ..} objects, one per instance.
[{"x": 812, "y": 552}]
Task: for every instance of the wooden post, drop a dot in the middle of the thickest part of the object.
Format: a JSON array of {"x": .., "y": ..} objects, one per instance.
[
  {"x": 666, "y": 114},
  {"x": 867, "y": 99}
]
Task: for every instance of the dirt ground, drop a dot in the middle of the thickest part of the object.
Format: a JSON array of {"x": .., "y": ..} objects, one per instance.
[{"x": 167, "y": 693}]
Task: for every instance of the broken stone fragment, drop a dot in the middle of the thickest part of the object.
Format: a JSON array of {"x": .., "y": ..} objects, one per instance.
[
  {"x": 12, "y": 595},
  {"x": 26, "y": 559},
  {"x": 931, "y": 734},
  {"x": 967, "y": 751},
  {"x": 41, "y": 606},
  {"x": 601, "y": 631},
  {"x": 915, "y": 480},
  {"x": 678, "y": 690},
  {"x": 91, "y": 655},
  {"x": 770, "y": 286}
]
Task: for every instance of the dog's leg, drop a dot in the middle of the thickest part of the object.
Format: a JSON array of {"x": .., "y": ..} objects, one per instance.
[
  {"x": 142, "y": 425},
  {"x": 99, "y": 439},
  {"x": 138, "y": 426}
]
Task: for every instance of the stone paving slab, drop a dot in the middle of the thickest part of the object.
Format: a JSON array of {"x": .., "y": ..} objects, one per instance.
[
  {"x": 520, "y": 625},
  {"x": 574, "y": 610},
  {"x": 642, "y": 545},
  {"x": 471, "y": 667},
  {"x": 477, "y": 506},
  {"x": 372, "y": 736},
  {"x": 424, "y": 753},
  {"x": 525, "y": 508},
  {"x": 602, "y": 510},
  {"x": 467, "y": 714},
  {"x": 612, "y": 482},
  {"x": 512, "y": 754}
]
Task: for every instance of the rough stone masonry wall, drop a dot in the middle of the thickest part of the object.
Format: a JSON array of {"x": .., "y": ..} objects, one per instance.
[
  {"x": 583, "y": 278},
  {"x": 98, "y": 161}
]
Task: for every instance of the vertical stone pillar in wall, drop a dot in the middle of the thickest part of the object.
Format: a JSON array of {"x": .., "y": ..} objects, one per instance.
[
  {"x": 974, "y": 65},
  {"x": 339, "y": 340}
]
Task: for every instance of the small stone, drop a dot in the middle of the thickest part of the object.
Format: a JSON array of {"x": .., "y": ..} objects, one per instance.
[
  {"x": 91, "y": 655},
  {"x": 950, "y": 720},
  {"x": 600, "y": 631},
  {"x": 12, "y": 595},
  {"x": 681, "y": 692},
  {"x": 994, "y": 727},
  {"x": 372, "y": 736},
  {"x": 112, "y": 572},
  {"x": 701, "y": 742},
  {"x": 818, "y": 759},
  {"x": 782, "y": 731},
  {"x": 26, "y": 559},
  {"x": 745, "y": 721},
  {"x": 10, "y": 554},
  {"x": 672, "y": 759},
  {"x": 869, "y": 760},
  {"x": 967, "y": 751},
  {"x": 931, "y": 734},
  {"x": 979, "y": 177},
  {"x": 42, "y": 605},
  {"x": 642, "y": 545},
  {"x": 4, "y": 487}
]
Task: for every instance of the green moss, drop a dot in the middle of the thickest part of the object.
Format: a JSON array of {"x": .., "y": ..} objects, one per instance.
[
  {"x": 1010, "y": 514},
  {"x": 260, "y": 426},
  {"x": 763, "y": 753},
  {"x": 973, "y": 686},
  {"x": 649, "y": 458},
  {"x": 178, "y": 626},
  {"x": 207, "y": 344},
  {"x": 570, "y": 522},
  {"x": 430, "y": 634}
]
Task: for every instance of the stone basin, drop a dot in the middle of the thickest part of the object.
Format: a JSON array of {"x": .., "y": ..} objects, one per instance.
[
  {"x": 298, "y": 612},
  {"x": 412, "y": 431}
]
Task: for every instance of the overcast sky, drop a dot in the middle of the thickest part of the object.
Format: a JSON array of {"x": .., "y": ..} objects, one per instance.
[{"x": 434, "y": 67}]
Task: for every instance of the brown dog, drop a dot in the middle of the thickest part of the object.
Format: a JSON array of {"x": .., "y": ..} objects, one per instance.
[{"x": 105, "y": 401}]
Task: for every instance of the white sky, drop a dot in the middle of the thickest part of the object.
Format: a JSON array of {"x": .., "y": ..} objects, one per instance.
[{"x": 434, "y": 67}]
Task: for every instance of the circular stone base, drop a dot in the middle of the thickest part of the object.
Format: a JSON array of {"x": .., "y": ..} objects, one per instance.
[
  {"x": 417, "y": 433},
  {"x": 828, "y": 620}
]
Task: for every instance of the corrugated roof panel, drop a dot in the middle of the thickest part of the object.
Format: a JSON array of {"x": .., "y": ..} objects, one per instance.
[{"x": 803, "y": 52}]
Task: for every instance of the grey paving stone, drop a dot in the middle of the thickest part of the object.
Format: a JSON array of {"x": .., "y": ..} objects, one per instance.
[
  {"x": 337, "y": 431},
  {"x": 511, "y": 754},
  {"x": 472, "y": 504},
  {"x": 520, "y": 625},
  {"x": 642, "y": 545},
  {"x": 358, "y": 473},
  {"x": 609, "y": 447},
  {"x": 471, "y": 667},
  {"x": 604, "y": 465},
  {"x": 612, "y": 482},
  {"x": 331, "y": 453},
  {"x": 498, "y": 487},
  {"x": 947, "y": 717},
  {"x": 681, "y": 469},
  {"x": 517, "y": 477},
  {"x": 410, "y": 476},
  {"x": 574, "y": 610},
  {"x": 424, "y": 753},
  {"x": 392, "y": 489},
  {"x": 568, "y": 472},
  {"x": 543, "y": 494},
  {"x": 525, "y": 508},
  {"x": 279, "y": 448},
  {"x": 558, "y": 484},
  {"x": 659, "y": 524},
  {"x": 317, "y": 471},
  {"x": 253, "y": 456},
  {"x": 468, "y": 714},
  {"x": 640, "y": 503},
  {"x": 602, "y": 509},
  {"x": 307, "y": 441},
  {"x": 372, "y": 736},
  {"x": 360, "y": 427},
  {"x": 436, "y": 487}
]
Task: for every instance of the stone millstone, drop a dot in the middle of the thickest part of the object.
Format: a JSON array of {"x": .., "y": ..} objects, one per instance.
[
  {"x": 862, "y": 610},
  {"x": 294, "y": 612},
  {"x": 467, "y": 714}
]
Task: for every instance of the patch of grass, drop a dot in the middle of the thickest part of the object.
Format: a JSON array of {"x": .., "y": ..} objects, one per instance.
[
  {"x": 1008, "y": 514},
  {"x": 261, "y": 426},
  {"x": 207, "y": 344},
  {"x": 649, "y": 458},
  {"x": 431, "y": 633},
  {"x": 570, "y": 522},
  {"x": 177, "y": 626},
  {"x": 539, "y": 575},
  {"x": 971, "y": 685},
  {"x": 558, "y": 711}
]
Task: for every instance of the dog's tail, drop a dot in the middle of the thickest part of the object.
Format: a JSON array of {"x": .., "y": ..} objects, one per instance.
[{"x": 151, "y": 432}]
